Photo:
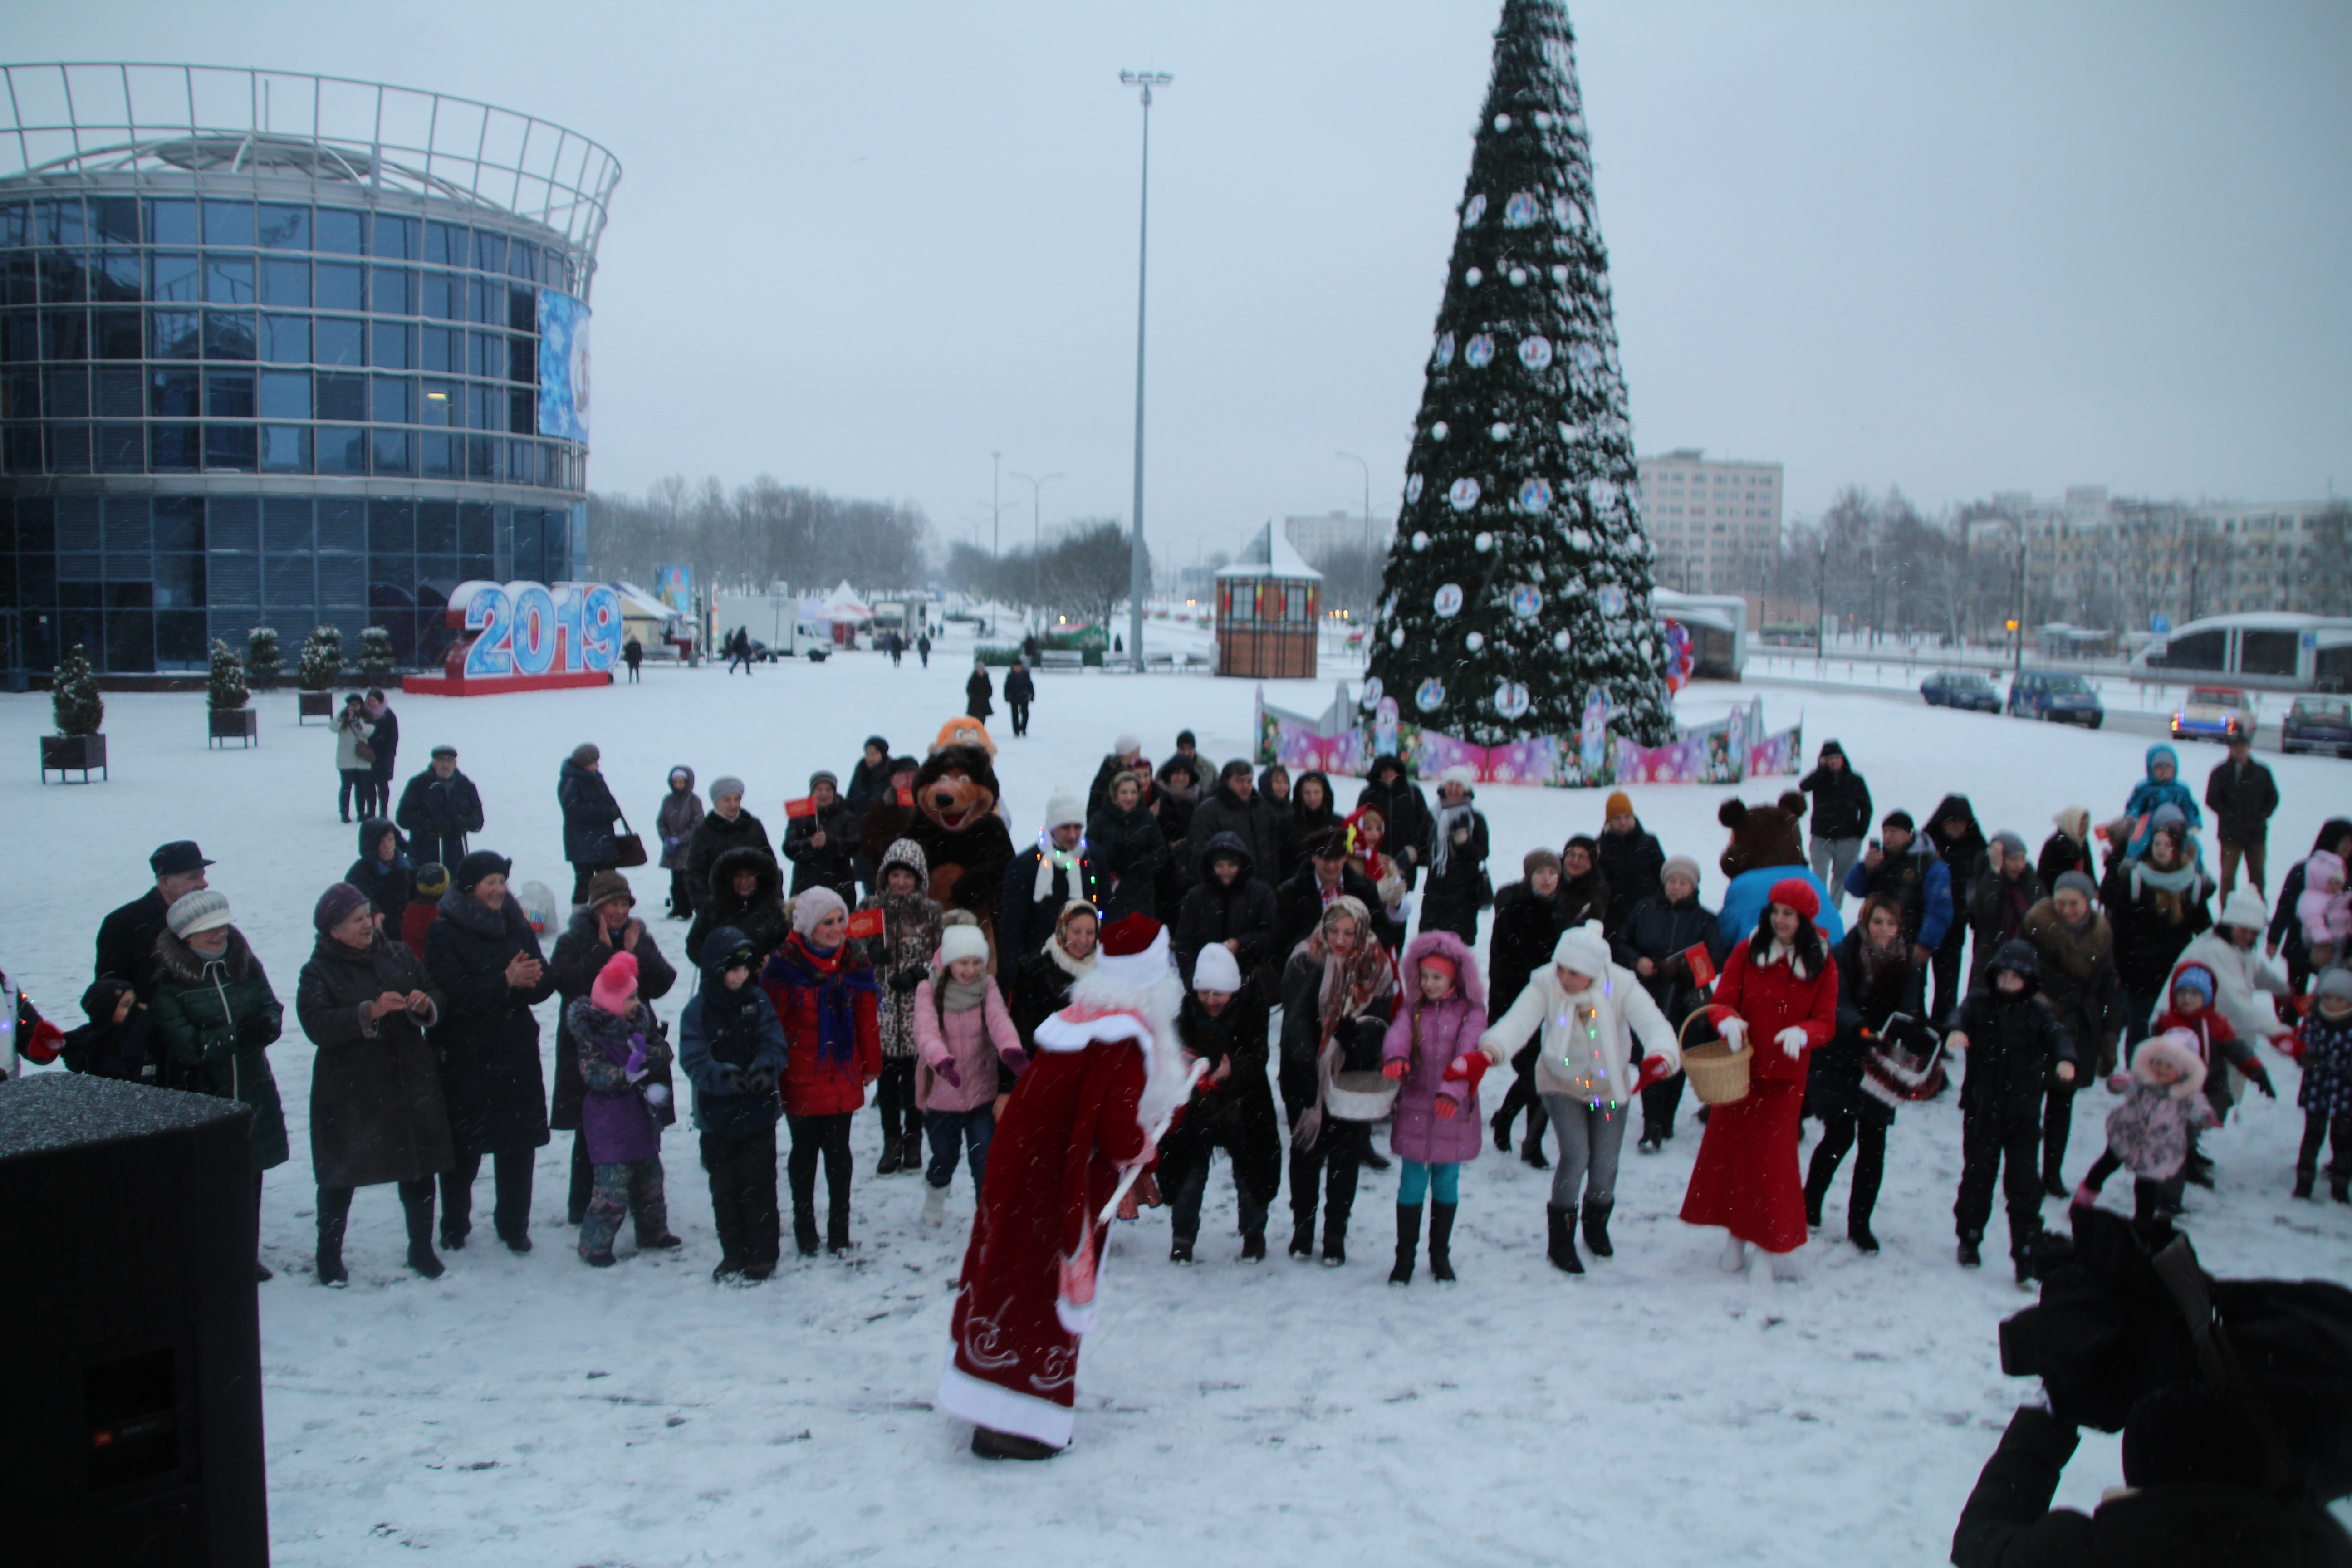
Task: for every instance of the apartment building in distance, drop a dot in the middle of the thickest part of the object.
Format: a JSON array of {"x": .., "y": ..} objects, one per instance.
[
  {"x": 1715, "y": 524},
  {"x": 1311, "y": 536}
]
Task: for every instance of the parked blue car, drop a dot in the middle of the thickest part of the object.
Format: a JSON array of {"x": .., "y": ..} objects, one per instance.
[
  {"x": 1960, "y": 689},
  {"x": 2054, "y": 698}
]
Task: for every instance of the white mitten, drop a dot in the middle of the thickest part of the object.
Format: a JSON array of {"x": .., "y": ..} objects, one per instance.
[
  {"x": 656, "y": 1095},
  {"x": 1791, "y": 1040},
  {"x": 1735, "y": 1033}
]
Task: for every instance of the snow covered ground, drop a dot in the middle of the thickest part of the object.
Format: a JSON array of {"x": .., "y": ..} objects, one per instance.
[{"x": 527, "y": 1410}]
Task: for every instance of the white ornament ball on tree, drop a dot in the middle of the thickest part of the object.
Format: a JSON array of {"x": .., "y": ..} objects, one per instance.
[
  {"x": 1420, "y": 541},
  {"x": 1396, "y": 638},
  {"x": 1484, "y": 542},
  {"x": 1475, "y": 641}
]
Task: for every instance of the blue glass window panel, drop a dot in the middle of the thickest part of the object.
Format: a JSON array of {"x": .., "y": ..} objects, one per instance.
[
  {"x": 396, "y": 237},
  {"x": 286, "y": 394},
  {"x": 228, "y": 279},
  {"x": 20, "y": 279},
  {"x": 343, "y": 523},
  {"x": 66, "y": 395},
  {"x": 341, "y": 396},
  {"x": 394, "y": 345},
  {"x": 14, "y": 223},
  {"x": 80, "y": 528},
  {"x": 477, "y": 528},
  {"x": 439, "y": 348},
  {"x": 481, "y": 458},
  {"x": 285, "y": 280},
  {"x": 20, "y": 448},
  {"x": 228, "y": 222},
  {"x": 342, "y": 449},
  {"x": 172, "y": 334},
  {"x": 173, "y": 394},
  {"x": 118, "y": 333},
  {"x": 172, "y": 278},
  {"x": 57, "y": 222},
  {"x": 440, "y": 406},
  {"x": 522, "y": 260},
  {"x": 20, "y": 394},
  {"x": 180, "y": 635},
  {"x": 489, "y": 356},
  {"x": 436, "y": 528},
  {"x": 124, "y": 525},
  {"x": 440, "y": 454},
  {"x": 229, "y": 334},
  {"x": 37, "y": 529},
  {"x": 485, "y": 302},
  {"x": 396, "y": 289},
  {"x": 20, "y": 336},
  {"x": 174, "y": 448},
  {"x": 523, "y": 362},
  {"x": 234, "y": 523},
  {"x": 129, "y": 642},
  {"x": 170, "y": 223},
  {"x": 522, "y": 310},
  {"x": 481, "y": 407},
  {"x": 178, "y": 581},
  {"x": 523, "y": 415},
  {"x": 64, "y": 277},
  {"x": 340, "y": 341},
  {"x": 121, "y": 448},
  {"x": 179, "y": 522},
  {"x": 444, "y": 297},
  {"x": 341, "y": 286},
  {"x": 228, "y": 394},
  {"x": 338, "y": 231},
  {"x": 342, "y": 580},
  {"x": 119, "y": 393},
  {"x": 286, "y": 340},
  {"x": 115, "y": 219},
  {"x": 119, "y": 279},
  {"x": 489, "y": 250},
  {"x": 447, "y": 244},
  {"x": 285, "y": 449},
  {"x": 519, "y": 462},
  {"x": 285, "y": 227},
  {"x": 286, "y": 581},
  {"x": 65, "y": 335},
  {"x": 68, "y": 448},
  {"x": 235, "y": 580},
  {"x": 392, "y": 529},
  {"x": 231, "y": 447},
  {"x": 394, "y": 395},
  {"x": 286, "y": 523}
]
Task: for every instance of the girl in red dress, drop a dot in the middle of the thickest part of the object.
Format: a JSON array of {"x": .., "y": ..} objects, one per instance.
[{"x": 1778, "y": 992}]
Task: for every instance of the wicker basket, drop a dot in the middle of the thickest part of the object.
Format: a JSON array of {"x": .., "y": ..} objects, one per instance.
[
  {"x": 1718, "y": 1074},
  {"x": 1360, "y": 1095}
]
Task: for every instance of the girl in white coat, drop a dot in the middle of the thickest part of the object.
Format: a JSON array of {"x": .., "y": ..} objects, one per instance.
[{"x": 1591, "y": 1012}]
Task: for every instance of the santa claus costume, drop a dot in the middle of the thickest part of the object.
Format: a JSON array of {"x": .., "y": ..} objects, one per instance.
[
  {"x": 1783, "y": 997},
  {"x": 1108, "y": 1070}
]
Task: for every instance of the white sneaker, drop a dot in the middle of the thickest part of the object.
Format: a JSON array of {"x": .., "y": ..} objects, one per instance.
[
  {"x": 1784, "y": 1267},
  {"x": 935, "y": 1205},
  {"x": 1735, "y": 1256}
]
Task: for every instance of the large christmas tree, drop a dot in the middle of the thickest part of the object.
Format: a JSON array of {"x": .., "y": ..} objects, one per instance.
[{"x": 1518, "y": 586}]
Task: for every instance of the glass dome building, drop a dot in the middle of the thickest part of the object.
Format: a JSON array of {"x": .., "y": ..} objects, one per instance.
[{"x": 281, "y": 350}]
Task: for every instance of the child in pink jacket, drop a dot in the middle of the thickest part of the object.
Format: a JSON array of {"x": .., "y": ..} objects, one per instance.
[
  {"x": 1432, "y": 1052},
  {"x": 2325, "y": 909},
  {"x": 962, "y": 1032}
]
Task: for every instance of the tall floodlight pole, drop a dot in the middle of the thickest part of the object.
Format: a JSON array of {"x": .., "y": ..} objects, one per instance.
[
  {"x": 996, "y": 504},
  {"x": 1138, "y": 576},
  {"x": 1037, "y": 538}
]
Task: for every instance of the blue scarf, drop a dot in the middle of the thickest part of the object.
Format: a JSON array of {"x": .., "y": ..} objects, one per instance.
[{"x": 837, "y": 987}]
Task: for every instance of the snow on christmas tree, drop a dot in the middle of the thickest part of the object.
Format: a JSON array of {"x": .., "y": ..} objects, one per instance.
[
  {"x": 1518, "y": 587},
  {"x": 377, "y": 660},
  {"x": 225, "y": 686},
  {"x": 262, "y": 658},
  {"x": 74, "y": 701},
  {"x": 322, "y": 664}
]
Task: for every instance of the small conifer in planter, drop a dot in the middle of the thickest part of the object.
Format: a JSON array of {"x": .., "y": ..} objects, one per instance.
[
  {"x": 80, "y": 710},
  {"x": 225, "y": 696},
  {"x": 377, "y": 660},
  {"x": 315, "y": 672},
  {"x": 263, "y": 661}
]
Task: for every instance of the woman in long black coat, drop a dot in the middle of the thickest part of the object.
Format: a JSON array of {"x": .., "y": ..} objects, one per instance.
[
  {"x": 977, "y": 690},
  {"x": 376, "y": 1108},
  {"x": 589, "y": 811},
  {"x": 1233, "y": 1109},
  {"x": 483, "y": 957},
  {"x": 1877, "y": 979}
]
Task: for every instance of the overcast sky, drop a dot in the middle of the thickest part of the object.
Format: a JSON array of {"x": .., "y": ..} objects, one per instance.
[{"x": 1956, "y": 248}]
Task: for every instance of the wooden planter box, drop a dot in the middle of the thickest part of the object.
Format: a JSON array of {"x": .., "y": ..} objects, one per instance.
[
  {"x": 233, "y": 724},
  {"x": 73, "y": 753},
  {"x": 314, "y": 705}
]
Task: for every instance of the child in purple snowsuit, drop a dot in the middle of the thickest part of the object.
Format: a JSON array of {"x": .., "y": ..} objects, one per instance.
[
  {"x": 619, "y": 1049},
  {"x": 2149, "y": 1132},
  {"x": 1432, "y": 1052}
]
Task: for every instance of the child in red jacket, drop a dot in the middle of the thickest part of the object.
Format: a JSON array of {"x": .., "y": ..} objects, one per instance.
[
  {"x": 432, "y": 881},
  {"x": 2193, "y": 1012},
  {"x": 822, "y": 986}
]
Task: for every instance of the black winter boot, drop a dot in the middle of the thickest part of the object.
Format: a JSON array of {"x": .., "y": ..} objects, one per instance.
[
  {"x": 1596, "y": 1229},
  {"x": 1441, "y": 1242},
  {"x": 910, "y": 1152},
  {"x": 1302, "y": 1234},
  {"x": 1408, "y": 1243},
  {"x": 421, "y": 1256},
  {"x": 804, "y": 1237},
  {"x": 1561, "y": 1246},
  {"x": 1971, "y": 1257},
  {"x": 1501, "y": 1122},
  {"x": 1819, "y": 1174},
  {"x": 888, "y": 1165},
  {"x": 1531, "y": 1150},
  {"x": 334, "y": 1216},
  {"x": 1254, "y": 1247},
  {"x": 2304, "y": 1180}
]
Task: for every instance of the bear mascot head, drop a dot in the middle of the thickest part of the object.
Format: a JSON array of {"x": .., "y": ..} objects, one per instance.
[
  {"x": 1762, "y": 834},
  {"x": 965, "y": 842}
]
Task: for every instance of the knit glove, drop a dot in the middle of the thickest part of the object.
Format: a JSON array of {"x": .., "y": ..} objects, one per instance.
[
  {"x": 1446, "y": 1106},
  {"x": 669, "y": 843},
  {"x": 634, "y": 1069},
  {"x": 1394, "y": 1068},
  {"x": 1015, "y": 1059},
  {"x": 905, "y": 980},
  {"x": 1653, "y": 1069},
  {"x": 948, "y": 1071},
  {"x": 1791, "y": 1041},
  {"x": 1470, "y": 1066},
  {"x": 2260, "y": 1077}
]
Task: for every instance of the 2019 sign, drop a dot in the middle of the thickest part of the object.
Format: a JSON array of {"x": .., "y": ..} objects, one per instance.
[{"x": 528, "y": 636}]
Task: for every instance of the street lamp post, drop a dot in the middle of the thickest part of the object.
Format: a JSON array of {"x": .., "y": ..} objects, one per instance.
[
  {"x": 1037, "y": 538},
  {"x": 996, "y": 504},
  {"x": 1138, "y": 578}
]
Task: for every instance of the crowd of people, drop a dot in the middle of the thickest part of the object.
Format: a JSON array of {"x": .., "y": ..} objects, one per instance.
[{"x": 2112, "y": 956}]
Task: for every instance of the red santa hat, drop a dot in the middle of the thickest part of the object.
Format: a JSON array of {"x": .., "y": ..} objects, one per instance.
[{"x": 1132, "y": 993}]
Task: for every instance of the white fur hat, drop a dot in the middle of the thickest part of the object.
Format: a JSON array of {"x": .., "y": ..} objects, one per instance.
[
  {"x": 2245, "y": 909},
  {"x": 1063, "y": 809},
  {"x": 1583, "y": 949},
  {"x": 1214, "y": 969},
  {"x": 2178, "y": 1048},
  {"x": 1458, "y": 774},
  {"x": 962, "y": 939}
]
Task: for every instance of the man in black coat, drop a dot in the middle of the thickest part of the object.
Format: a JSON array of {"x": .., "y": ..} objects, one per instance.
[
  {"x": 439, "y": 809},
  {"x": 1064, "y": 868},
  {"x": 1020, "y": 691},
  {"x": 126, "y": 937},
  {"x": 589, "y": 813},
  {"x": 1654, "y": 943},
  {"x": 1235, "y": 806},
  {"x": 727, "y": 825},
  {"x": 2243, "y": 796},
  {"x": 1999, "y": 900},
  {"x": 1839, "y": 818},
  {"x": 1230, "y": 908},
  {"x": 2014, "y": 1046},
  {"x": 606, "y": 927},
  {"x": 1298, "y": 903},
  {"x": 822, "y": 846},
  {"x": 1411, "y": 831},
  {"x": 1526, "y": 929},
  {"x": 1631, "y": 861}
]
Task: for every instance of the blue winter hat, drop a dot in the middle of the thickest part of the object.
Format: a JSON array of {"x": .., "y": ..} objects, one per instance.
[
  {"x": 2195, "y": 977},
  {"x": 2160, "y": 752}
]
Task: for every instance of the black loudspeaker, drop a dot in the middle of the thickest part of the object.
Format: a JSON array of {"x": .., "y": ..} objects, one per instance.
[{"x": 131, "y": 1387}]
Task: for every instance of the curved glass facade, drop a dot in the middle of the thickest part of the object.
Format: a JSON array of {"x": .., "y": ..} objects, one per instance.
[{"x": 258, "y": 390}]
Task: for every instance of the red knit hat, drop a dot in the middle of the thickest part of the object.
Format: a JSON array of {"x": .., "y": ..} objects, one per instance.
[
  {"x": 1795, "y": 893},
  {"x": 615, "y": 983},
  {"x": 1129, "y": 935}
]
